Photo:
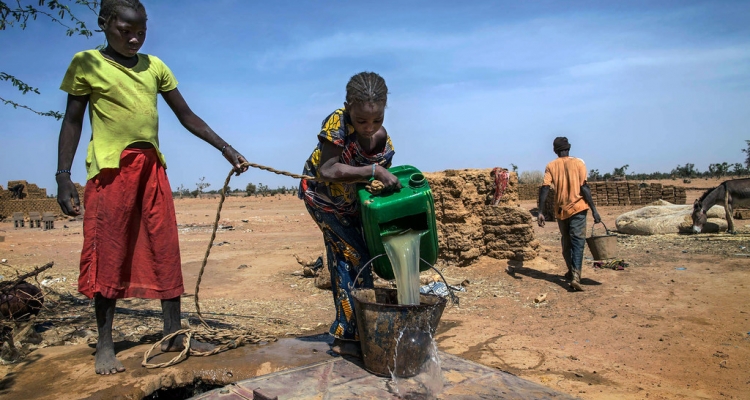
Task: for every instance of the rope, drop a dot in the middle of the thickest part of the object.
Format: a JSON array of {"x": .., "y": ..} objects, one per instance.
[{"x": 232, "y": 340}]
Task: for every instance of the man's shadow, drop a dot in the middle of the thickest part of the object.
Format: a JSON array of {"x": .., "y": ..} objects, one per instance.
[{"x": 516, "y": 270}]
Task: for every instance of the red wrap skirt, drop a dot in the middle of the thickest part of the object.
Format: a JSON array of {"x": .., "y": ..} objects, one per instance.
[{"x": 130, "y": 242}]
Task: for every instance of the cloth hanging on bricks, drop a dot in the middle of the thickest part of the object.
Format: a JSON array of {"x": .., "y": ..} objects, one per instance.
[{"x": 501, "y": 183}]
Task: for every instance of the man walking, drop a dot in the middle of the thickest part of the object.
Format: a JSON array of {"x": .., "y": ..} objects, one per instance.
[{"x": 572, "y": 201}]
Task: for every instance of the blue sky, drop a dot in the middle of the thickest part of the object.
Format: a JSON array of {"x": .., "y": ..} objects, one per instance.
[{"x": 473, "y": 84}]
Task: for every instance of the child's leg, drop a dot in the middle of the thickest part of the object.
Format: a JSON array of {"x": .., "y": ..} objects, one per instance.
[
  {"x": 106, "y": 362},
  {"x": 171, "y": 314},
  {"x": 346, "y": 253}
]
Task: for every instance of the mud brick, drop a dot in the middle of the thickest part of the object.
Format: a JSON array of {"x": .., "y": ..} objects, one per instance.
[{"x": 35, "y": 219}]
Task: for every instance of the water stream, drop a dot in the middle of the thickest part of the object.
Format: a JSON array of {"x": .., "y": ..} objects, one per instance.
[{"x": 403, "y": 251}]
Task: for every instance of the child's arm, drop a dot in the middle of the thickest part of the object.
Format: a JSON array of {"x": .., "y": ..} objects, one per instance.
[
  {"x": 199, "y": 128},
  {"x": 331, "y": 170},
  {"x": 70, "y": 135}
]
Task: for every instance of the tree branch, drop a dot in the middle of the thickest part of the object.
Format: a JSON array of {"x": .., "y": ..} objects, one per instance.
[
  {"x": 22, "y": 14},
  {"x": 55, "y": 114}
]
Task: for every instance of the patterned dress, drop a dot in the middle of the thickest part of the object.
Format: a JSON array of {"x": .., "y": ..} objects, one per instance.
[{"x": 334, "y": 207}]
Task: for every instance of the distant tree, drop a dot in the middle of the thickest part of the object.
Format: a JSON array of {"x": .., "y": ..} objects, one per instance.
[
  {"x": 262, "y": 189},
  {"x": 687, "y": 171},
  {"x": 620, "y": 171},
  {"x": 182, "y": 190},
  {"x": 250, "y": 189},
  {"x": 514, "y": 167},
  {"x": 202, "y": 184},
  {"x": 607, "y": 176},
  {"x": 747, "y": 154},
  {"x": 718, "y": 169},
  {"x": 594, "y": 175},
  {"x": 55, "y": 11},
  {"x": 739, "y": 170}
]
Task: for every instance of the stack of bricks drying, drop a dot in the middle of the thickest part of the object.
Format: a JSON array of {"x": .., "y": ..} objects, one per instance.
[
  {"x": 469, "y": 226},
  {"x": 35, "y": 200},
  {"x": 620, "y": 193}
]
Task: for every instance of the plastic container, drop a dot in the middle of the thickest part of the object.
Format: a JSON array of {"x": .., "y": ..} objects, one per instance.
[{"x": 412, "y": 207}]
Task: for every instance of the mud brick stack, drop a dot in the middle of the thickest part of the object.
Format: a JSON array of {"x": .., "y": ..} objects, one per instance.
[
  {"x": 31, "y": 190},
  {"x": 667, "y": 193},
  {"x": 680, "y": 197},
  {"x": 463, "y": 201},
  {"x": 35, "y": 200},
  {"x": 623, "y": 196},
  {"x": 611, "y": 188},
  {"x": 621, "y": 193},
  {"x": 634, "y": 193},
  {"x": 506, "y": 233},
  {"x": 528, "y": 191}
]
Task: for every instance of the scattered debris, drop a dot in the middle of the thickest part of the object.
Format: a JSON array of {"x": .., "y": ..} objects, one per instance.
[
  {"x": 542, "y": 297},
  {"x": 617, "y": 265}
]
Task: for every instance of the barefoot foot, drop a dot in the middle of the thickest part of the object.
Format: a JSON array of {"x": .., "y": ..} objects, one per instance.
[
  {"x": 107, "y": 363},
  {"x": 176, "y": 344}
]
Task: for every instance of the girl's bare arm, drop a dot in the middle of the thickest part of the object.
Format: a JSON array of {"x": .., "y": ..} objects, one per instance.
[
  {"x": 70, "y": 135},
  {"x": 195, "y": 125}
]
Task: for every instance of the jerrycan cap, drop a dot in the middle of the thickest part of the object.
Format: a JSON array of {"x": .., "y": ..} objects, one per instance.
[{"x": 417, "y": 180}]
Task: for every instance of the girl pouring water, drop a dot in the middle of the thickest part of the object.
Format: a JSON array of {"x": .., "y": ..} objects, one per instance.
[{"x": 353, "y": 146}]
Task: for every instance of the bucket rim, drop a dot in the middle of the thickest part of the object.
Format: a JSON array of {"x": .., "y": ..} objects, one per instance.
[{"x": 441, "y": 300}]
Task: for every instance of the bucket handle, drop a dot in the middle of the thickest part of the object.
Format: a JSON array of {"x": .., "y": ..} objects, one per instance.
[
  {"x": 605, "y": 228},
  {"x": 454, "y": 298},
  {"x": 364, "y": 267}
]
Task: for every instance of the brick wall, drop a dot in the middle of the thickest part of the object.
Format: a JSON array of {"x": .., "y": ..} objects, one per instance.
[
  {"x": 469, "y": 226},
  {"x": 35, "y": 200},
  {"x": 620, "y": 193}
]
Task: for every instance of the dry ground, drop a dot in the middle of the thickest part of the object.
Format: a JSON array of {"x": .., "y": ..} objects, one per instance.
[{"x": 674, "y": 324}]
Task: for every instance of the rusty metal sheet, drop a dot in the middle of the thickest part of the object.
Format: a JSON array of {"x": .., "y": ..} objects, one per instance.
[{"x": 344, "y": 378}]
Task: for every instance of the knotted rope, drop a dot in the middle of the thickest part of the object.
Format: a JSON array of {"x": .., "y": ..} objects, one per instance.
[{"x": 232, "y": 340}]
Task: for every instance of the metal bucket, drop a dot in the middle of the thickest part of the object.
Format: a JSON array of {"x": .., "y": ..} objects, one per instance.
[
  {"x": 395, "y": 339},
  {"x": 602, "y": 247}
]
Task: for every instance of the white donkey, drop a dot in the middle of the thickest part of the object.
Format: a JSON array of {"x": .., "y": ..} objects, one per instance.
[{"x": 729, "y": 194}]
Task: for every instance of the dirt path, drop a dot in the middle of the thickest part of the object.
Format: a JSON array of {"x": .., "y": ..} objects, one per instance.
[{"x": 674, "y": 324}]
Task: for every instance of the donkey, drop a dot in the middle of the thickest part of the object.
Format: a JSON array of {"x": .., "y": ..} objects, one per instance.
[{"x": 730, "y": 194}]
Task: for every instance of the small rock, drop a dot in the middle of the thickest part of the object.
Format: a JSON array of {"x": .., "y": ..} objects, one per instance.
[{"x": 243, "y": 266}]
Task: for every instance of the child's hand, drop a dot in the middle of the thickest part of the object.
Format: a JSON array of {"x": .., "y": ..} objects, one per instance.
[
  {"x": 236, "y": 159},
  {"x": 67, "y": 195},
  {"x": 390, "y": 182}
]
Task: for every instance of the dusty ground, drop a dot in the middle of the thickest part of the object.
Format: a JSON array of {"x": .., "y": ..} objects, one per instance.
[{"x": 674, "y": 324}]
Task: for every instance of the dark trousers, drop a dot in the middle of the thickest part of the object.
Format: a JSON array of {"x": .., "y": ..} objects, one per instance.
[{"x": 573, "y": 239}]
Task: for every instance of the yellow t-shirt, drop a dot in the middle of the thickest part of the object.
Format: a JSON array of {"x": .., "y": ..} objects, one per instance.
[
  {"x": 567, "y": 175},
  {"x": 122, "y": 104}
]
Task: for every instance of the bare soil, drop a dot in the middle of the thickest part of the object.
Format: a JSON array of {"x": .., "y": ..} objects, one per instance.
[{"x": 673, "y": 324}]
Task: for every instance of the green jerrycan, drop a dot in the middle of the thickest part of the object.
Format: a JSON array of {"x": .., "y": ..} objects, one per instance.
[{"x": 412, "y": 207}]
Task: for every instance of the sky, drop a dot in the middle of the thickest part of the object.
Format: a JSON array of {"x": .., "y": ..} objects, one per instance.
[{"x": 472, "y": 84}]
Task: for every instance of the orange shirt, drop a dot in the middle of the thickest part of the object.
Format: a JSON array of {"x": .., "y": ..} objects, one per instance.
[{"x": 567, "y": 175}]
